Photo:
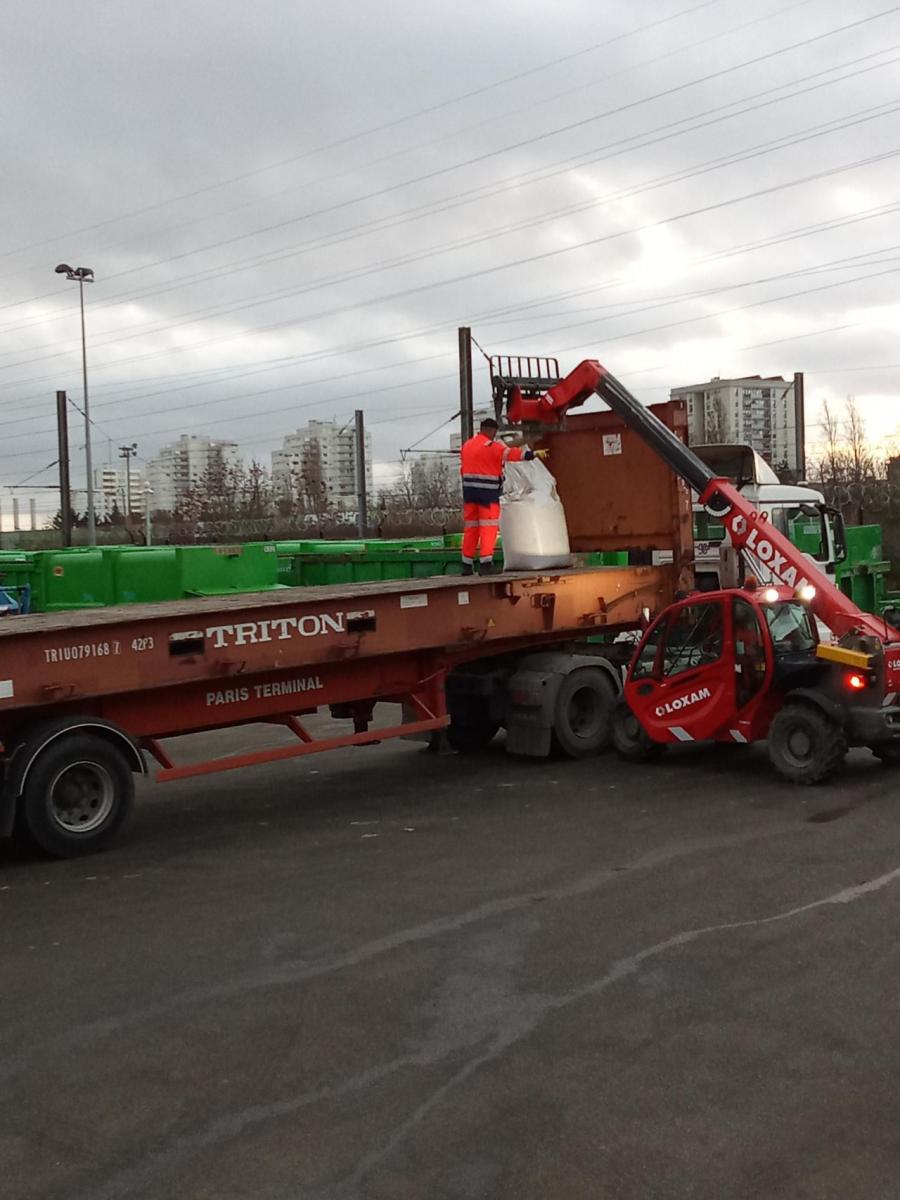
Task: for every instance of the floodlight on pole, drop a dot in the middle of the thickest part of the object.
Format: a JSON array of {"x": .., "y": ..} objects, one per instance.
[{"x": 83, "y": 275}]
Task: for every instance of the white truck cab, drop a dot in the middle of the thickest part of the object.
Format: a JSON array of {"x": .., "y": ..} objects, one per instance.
[{"x": 798, "y": 511}]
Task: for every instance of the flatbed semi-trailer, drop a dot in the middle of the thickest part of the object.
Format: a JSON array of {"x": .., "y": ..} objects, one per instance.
[{"x": 87, "y": 697}]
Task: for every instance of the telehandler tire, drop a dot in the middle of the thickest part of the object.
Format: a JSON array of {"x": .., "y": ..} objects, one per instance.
[
  {"x": 806, "y": 746},
  {"x": 628, "y": 736}
]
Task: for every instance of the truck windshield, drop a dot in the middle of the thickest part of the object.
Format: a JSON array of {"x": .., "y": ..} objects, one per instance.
[{"x": 791, "y": 628}]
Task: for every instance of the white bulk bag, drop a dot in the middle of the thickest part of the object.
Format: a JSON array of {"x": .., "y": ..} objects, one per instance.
[{"x": 532, "y": 519}]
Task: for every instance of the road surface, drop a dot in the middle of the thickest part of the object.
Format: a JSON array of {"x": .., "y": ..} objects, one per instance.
[{"x": 384, "y": 975}]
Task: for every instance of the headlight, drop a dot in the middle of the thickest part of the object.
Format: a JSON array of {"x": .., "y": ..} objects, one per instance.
[
  {"x": 807, "y": 593},
  {"x": 770, "y": 595}
]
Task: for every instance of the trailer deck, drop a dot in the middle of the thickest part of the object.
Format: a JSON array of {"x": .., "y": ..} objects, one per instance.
[{"x": 114, "y": 653}]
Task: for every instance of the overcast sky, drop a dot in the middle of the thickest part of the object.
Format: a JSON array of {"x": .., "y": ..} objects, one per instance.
[{"x": 290, "y": 207}]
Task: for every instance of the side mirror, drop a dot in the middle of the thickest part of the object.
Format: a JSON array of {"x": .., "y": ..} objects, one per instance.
[{"x": 838, "y": 531}]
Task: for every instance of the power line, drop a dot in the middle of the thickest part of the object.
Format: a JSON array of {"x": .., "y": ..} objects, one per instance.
[
  {"x": 480, "y": 319},
  {"x": 430, "y": 433},
  {"x": 347, "y": 276},
  {"x": 841, "y": 263},
  {"x": 293, "y": 386},
  {"x": 372, "y": 130},
  {"x": 256, "y": 414},
  {"x": 485, "y": 271},
  {"x": 269, "y": 256}
]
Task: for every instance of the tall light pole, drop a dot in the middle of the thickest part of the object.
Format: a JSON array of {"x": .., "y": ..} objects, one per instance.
[
  {"x": 127, "y": 452},
  {"x": 84, "y": 275}
]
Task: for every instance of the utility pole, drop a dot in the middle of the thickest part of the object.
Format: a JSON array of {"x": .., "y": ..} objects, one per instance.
[
  {"x": 466, "y": 403},
  {"x": 84, "y": 275},
  {"x": 362, "y": 514},
  {"x": 127, "y": 452},
  {"x": 65, "y": 494},
  {"x": 32, "y": 514},
  {"x": 800, "y": 423},
  {"x": 148, "y": 492}
]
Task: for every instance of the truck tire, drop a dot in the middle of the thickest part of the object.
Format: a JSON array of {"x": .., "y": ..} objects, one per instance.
[
  {"x": 806, "y": 746},
  {"x": 582, "y": 714},
  {"x": 78, "y": 796},
  {"x": 629, "y": 738},
  {"x": 471, "y": 728}
]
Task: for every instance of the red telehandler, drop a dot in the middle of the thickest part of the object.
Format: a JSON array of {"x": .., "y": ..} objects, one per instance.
[{"x": 738, "y": 665}]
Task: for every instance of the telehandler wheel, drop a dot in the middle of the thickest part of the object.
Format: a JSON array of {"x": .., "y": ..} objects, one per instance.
[
  {"x": 629, "y": 738},
  {"x": 78, "y": 796},
  {"x": 805, "y": 745},
  {"x": 582, "y": 715}
]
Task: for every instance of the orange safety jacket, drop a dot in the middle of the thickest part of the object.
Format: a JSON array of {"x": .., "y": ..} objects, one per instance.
[{"x": 481, "y": 465}]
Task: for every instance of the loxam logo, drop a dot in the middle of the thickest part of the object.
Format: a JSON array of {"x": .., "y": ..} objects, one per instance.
[
  {"x": 759, "y": 545},
  {"x": 674, "y": 706}
]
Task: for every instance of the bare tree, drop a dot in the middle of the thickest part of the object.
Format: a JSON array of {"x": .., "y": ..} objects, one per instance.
[
  {"x": 214, "y": 495},
  {"x": 434, "y": 483},
  {"x": 423, "y": 483},
  {"x": 831, "y": 465},
  {"x": 848, "y": 464},
  {"x": 257, "y": 500},
  {"x": 229, "y": 494},
  {"x": 402, "y": 494},
  {"x": 861, "y": 459}
]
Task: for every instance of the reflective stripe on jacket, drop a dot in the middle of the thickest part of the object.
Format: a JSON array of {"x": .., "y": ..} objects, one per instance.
[{"x": 481, "y": 467}]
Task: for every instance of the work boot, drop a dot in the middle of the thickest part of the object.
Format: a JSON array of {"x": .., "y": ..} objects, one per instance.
[
  {"x": 489, "y": 568},
  {"x": 467, "y": 569}
]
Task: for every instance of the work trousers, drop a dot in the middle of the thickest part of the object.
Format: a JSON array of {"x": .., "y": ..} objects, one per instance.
[{"x": 481, "y": 527}]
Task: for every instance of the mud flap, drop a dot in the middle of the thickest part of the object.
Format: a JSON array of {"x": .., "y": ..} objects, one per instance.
[{"x": 529, "y": 714}]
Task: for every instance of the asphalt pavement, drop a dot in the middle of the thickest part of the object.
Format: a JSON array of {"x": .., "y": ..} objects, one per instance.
[{"x": 387, "y": 975}]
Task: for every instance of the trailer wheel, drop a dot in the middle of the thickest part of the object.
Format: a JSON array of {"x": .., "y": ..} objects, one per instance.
[
  {"x": 78, "y": 796},
  {"x": 582, "y": 715},
  {"x": 471, "y": 727},
  {"x": 805, "y": 745},
  {"x": 629, "y": 737}
]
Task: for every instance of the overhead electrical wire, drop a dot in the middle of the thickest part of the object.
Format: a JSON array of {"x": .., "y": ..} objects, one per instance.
[
  {"x": 379, "y": 128},
  {"x": 537, "y": 175},
  {"x": 481, "y": 319},
  {"x": 658, "y": 303},
  {"x": 845, "y": 262},
  {"x": 517, "y": 112},
  {"x": 529, "y": 260},
  {"x": 560, "y": 349},
  {"x": 813, "y": 333},
  {"x": 317, "y": 356}
]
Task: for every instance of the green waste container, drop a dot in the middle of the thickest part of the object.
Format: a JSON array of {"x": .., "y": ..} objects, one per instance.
[
  {"x": 144, "y": 574},
  {"x": 20, "y": 575},
  {"x": 79, "y": 577},
  {"x": 863, "y": 574},
  {"x": 221, "y": 570}
]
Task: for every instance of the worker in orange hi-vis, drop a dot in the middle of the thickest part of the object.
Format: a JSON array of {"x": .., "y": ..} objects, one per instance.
[{"x": 482, "y": 459}]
